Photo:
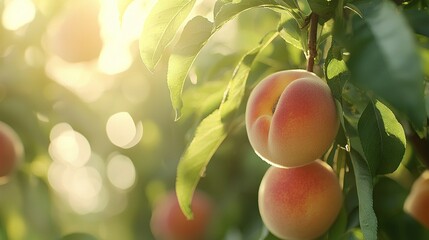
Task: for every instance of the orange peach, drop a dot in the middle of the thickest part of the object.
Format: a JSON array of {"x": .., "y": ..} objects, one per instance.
[
  {"x": 75, "y": 35},
  {"x": 291, "y": 118},
  {"x": 10, "y": 147},
  {"x": 169, "y": 223},
  {"x": 300, "y": 203},
  {"x": 417, "y": 202}
]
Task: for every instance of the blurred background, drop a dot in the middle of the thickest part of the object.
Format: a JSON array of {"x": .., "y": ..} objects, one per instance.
[{"x": 99, "y": 141}]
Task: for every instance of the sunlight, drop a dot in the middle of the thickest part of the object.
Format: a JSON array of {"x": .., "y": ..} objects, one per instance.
[
  {"x": 84, "y": 190},
  {"x": 82, "y": 187},
  {"x": 56, "y": 172},
  {"x": 81, "y": 78},
  {"x": 120, "y": 33},
  {"x": 115, "y": 56},
  {"x": 69, "y": 146},
  {"x": 134, "y": 17},
  {"x": 122, "y": 131},
  {"x": 121, "y": 171},
  {"x": 18, "y": 13}
]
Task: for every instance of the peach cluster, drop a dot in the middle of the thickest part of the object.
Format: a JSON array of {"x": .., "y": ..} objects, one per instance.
[{"x": 291, "y": 121}]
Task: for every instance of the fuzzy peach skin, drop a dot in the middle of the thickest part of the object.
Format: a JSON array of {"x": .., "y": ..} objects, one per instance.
[
  {"x": 300, "y": 203},
  {"x": 417, "y": 202},
  {"x": 10, "y": 149},
  {"x": 169, "y": 223},
  {"x": 291, "y": 118}
]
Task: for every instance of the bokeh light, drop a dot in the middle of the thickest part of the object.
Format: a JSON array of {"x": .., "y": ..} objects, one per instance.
[
  {"x": 81, "y": 78},
  {"x": 18, "y": 13},
  {"x": 69, "y": 146},
  {"x": 84, "y": 191},
  {"x": 121, "y": 171},
  {"x": 122, "y": 131},
  {"x": 71, "y": 173}
]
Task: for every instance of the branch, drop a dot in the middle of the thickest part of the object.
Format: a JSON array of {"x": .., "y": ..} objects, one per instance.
[{"x": 312, "y": 41}]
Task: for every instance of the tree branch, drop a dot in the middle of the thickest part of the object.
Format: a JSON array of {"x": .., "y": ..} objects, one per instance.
[{"x": 312, "y": 37}]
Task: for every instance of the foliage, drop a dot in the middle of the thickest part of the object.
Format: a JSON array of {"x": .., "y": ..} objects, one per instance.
[
  {"x": 189, "y": 69},
  {"x": 373, "y": 54}
]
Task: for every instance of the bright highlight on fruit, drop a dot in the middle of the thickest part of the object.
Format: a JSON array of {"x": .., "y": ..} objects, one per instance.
[
  {"x": 169, "y": 223},
  {"x": 291, "y": 118},
  {"x": 300, "y": 203},
  {"x": 417, "y": 202}
]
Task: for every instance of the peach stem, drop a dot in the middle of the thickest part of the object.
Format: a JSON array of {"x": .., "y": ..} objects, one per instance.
[{"x": 314, "y": 18}]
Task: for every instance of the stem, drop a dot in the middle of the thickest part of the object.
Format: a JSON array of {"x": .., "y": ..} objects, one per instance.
[{"x": 312, "y": 37}]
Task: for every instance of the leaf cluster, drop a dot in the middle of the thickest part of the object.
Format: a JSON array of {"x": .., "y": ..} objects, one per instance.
[{"x": 372, "y": 53}]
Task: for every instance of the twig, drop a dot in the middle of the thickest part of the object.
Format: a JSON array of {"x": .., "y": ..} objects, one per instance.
[{"x": 312, "y": 42}]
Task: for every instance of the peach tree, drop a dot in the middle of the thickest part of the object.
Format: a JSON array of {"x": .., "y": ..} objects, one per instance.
[{"x": 373, "y": 55}]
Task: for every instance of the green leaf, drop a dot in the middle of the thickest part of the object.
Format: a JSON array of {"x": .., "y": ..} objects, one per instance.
[
  {"x": 363, "y": 179},
  {"x": 212, "y": 92},
  {"x": 195, "y": 34},
  {"x": 382, "y": 137},
  {"x": 364, "y": 185},
  {"x": 209, "y": 135},
  {"x": 336, "y": 72},
  {"x": 290, "y": 4},
  {"x": 237, "y": 85},
  {"x": 419, "y": 21},
  {"x": 160, "y": 28},
  {"x": 194, "y": 37},
  {"x": 384, "y": 59},
  {"x": 353, "y": 9},
  {"x": 230, "y": 10},
  {"x": 213, "y": 130},
  {"x": 324, "y": 8},
  {"x": 292, "y": 33}
]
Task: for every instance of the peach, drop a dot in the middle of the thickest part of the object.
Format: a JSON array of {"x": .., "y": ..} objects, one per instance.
[
  {"x": 300, "y": 203},
  {"x": 10, "y": 147},
  {"x": 169, "y": 223},
  {"x": 75, "y": 35},
  {"x": 291, "y": 118},
  {"x": 417, "y": 202}
]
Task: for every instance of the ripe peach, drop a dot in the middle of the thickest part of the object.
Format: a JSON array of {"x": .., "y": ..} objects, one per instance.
[
  {"x": 417, "y": 202},
  {"x": 10, "y": 147},
  {"x": 75, "y": 34},
  {"x": 169, "y": 223},
  {"x": 300, "y": 203},
  {"x": 291, "y": 118}
]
